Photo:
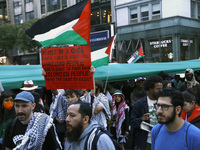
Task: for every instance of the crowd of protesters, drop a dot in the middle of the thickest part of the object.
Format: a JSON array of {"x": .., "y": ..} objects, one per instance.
[{"x": 35, "y": 118}]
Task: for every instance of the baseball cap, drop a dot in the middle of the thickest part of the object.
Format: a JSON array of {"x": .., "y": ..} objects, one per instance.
[
  {"x": 139, "y": 78},
  {"x": 25, "y": 96}
]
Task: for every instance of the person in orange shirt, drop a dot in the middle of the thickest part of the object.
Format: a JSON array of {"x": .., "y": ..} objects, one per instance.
[{"x": 190, "y": 112}]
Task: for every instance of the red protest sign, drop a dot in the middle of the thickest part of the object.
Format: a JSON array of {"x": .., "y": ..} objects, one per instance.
[{"x": 67, "y": 67}]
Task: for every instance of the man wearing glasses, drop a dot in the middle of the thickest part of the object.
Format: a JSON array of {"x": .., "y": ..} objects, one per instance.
[{"x": 173, "y": 133}]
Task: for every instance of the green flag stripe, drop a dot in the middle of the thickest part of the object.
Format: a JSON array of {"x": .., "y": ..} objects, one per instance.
[
  {"x": 68, "y": 37},
  {"x": 53, "y": 33},
  {"x": 100, "y": 62}
]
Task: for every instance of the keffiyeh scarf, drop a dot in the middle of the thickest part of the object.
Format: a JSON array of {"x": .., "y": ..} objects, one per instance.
[
  {"x": 120, "y": 114},
  {"x": 36, "y": 132},
  {"x": 193, "y": 82},
  {"x": 59, "y": 108}
]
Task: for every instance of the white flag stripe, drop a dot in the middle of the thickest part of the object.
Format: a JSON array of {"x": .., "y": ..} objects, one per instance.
[
  {"x": 55, "y": 32},
  {"x": 98, "y": 54}
]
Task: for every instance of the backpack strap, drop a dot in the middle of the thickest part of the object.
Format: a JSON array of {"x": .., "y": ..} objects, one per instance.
[
  {"x": 90, "y": 139},
  {"x": 186, "y": 134}
]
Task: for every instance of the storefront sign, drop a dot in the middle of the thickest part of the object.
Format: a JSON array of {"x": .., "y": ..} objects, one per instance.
[
  {"x": 186, "y": 42},
  {"x": 157, "y": 44},
  {"x": 97, "y": 37},
  {"x": 67, "y": 67}
]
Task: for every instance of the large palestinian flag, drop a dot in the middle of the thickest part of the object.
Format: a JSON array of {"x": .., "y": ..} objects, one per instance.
[{"x": 68, "y": 26}]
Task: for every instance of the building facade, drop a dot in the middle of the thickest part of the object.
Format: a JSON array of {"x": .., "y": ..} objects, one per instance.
[
  {"x": 25, "y": 10},
  {"x": 169, "y": 30}
]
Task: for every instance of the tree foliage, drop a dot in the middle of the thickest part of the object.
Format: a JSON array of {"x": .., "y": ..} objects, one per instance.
[
  {"x": 8, "y": 37},
  {"x": 25, "y": 43}
]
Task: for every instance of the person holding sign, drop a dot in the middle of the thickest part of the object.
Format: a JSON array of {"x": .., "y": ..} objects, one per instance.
[{"x": 99, "y": 102}]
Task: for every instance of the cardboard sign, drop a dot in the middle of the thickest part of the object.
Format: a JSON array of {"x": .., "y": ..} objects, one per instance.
[{"x": 67, "y": 67}]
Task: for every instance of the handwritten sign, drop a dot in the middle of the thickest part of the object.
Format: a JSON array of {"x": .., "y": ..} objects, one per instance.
[{"x": 67, "y": 67}]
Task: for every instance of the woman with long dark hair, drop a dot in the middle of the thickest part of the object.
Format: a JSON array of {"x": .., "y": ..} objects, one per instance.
[{"x": 7, "y": 112}]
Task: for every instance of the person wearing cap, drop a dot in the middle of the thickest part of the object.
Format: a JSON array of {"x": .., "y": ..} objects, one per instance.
[
  {"x": 120, "y": 124},
  {"x": 30, "y": 87},
  {"x": 143, "y": 112},
  {"x": 138, "y": 92},
  {"x": 30, "y": 130},
  {"x": 99, "y": 102},
  {"x": 191, "y": 85}
]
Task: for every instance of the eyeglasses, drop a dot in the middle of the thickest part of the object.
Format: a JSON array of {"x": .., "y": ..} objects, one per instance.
[{"x": 164, "y": 107}]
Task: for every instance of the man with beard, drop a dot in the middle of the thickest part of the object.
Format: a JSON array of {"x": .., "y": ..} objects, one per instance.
[
  {"x": 172, "y": 132},
  {"x": 191, "y": 85},
  {"x": 79, "y": 126},
  {"x": 99, "y": 102},
  {"x": 143, "y": 110},
  {"x": 30, "y": 130}
]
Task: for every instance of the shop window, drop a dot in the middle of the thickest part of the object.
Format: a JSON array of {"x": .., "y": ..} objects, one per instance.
[
  {"x": 160, "y": 50},
  {"x": 95, "y": 17},
  {"x": 156, "y": 11},
  {"x": 187, "y": 49},
  {"x": 29, "y": 15},
  {"x": 144, "y": 13},
  {"x": 133, "y": 15},
  {"x": 53, "y": 5}
]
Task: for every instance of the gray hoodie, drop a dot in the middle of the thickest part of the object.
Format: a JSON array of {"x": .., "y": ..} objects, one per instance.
[{"x": 104, "y": 141}]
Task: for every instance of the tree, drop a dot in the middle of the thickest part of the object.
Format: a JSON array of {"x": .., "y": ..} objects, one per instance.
[
  {"x": 7, "y": 38},
  {"x": 25, "y": 43}
]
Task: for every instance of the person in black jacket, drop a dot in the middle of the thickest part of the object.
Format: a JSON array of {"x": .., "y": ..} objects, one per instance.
[{"x": 143, "y": 110}]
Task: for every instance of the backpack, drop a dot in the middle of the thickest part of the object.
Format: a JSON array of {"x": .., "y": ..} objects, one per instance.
[
  {"x": 91, "y": 142},
  {"x": 160, "y": 126}
]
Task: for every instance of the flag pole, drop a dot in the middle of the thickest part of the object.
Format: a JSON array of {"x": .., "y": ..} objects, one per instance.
[{"x": 107, "y": 79}]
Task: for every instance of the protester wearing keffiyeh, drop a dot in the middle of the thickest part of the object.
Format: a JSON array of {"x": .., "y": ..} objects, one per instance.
[{"x": 119, "y": 111}]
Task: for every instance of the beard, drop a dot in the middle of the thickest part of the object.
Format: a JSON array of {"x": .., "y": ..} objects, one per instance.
[
  {"x": 75, "y": 133},
  {"x": 168, "y": 119}
]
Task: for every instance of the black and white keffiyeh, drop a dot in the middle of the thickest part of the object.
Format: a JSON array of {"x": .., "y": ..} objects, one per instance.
[{"x": 36, "y": 132}]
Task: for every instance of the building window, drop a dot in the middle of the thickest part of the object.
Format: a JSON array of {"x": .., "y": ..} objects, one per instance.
[
  {"x": 78, "y": 1},
  {"x": 95, "y": 17},
  {"x": 53, "y": 5},
  {"x": 198, "y": 16},
  {"x": 134, "y": 15},
  {"x": 17, "y": 3},
  {"x": 43, "y": 6},
  {"x": 18, "y": 19},
  {"x": 156, "y": 11},
  {"x": 29, "y": 15},
  {"x": 106, "y": 15},
  {"x": 144, "y": 13},
  {"x": 28, "y": 1},
  {"x": 195, "y": 9},
  {"x": 64, "y": 3}
]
